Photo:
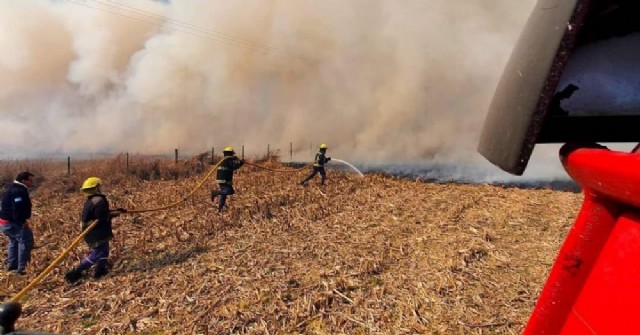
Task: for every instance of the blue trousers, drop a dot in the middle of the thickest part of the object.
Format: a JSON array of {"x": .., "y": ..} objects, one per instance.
[
  {"x": 20, "y": 245},
  {"x": 316, "y": 170},
  {"x": 225, "y": 190},
  {"x": 98, "y": 256}
]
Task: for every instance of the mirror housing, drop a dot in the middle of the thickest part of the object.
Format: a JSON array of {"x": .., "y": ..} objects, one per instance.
[{"x": 557, "y": 55}]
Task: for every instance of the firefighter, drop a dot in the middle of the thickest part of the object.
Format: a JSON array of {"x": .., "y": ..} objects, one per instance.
[
  {"x": 16, "y": 210},
  {"x": 224, "y": 176},
  {"x": 318, "y": 165},
  {"x": 96, "y": 207}
]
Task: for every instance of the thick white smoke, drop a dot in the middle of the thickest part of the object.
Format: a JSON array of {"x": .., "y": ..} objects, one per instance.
[{"x": 378, "y": 80}]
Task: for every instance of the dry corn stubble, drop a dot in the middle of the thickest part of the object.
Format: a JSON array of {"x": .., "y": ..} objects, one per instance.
[{"x": 377, "y": 255}]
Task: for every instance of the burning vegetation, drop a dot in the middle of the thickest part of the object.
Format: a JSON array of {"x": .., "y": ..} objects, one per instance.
[{"x": 378, "y": 254}]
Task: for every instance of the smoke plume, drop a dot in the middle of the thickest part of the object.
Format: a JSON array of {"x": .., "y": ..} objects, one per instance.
[{"x": 377, "y": 80}]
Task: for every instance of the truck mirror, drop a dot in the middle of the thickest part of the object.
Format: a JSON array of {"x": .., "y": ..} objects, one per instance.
[{"x": 572, "y": 77}]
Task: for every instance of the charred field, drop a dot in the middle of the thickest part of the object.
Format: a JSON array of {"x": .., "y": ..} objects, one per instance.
[{"x": 373, "y": 255}]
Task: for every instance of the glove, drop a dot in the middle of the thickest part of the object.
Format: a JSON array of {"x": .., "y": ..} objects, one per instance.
[{"x": 328, "y": 159}]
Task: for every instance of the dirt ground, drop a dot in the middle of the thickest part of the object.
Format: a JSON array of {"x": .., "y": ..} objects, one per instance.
[{"x": 372, "y": 255}]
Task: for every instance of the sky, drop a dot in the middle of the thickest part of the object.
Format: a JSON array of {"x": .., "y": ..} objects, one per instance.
[{"x": 379, "y": 81}]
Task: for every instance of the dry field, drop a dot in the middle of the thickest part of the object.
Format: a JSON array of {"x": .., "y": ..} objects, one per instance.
[{"x": 378, "y": 255}]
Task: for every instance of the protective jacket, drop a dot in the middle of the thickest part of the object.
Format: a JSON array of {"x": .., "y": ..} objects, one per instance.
[
  {"x": 96, "y": 207},
  {"x": 321, "y": 159},
  {"x": 16, "y": 204},
  {"x": 224, "y": 175}
]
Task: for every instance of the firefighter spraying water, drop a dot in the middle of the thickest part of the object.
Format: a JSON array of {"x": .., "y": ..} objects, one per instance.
[
  {"x": 318, "y": 165},
  {"x": 319, "y": 162}
]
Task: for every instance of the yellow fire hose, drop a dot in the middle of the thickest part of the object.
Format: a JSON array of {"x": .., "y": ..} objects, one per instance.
[
  {"x": 77, "y": 240},
  {"x": 279, "y": 170},
  {"x": 46, "y": 271}
]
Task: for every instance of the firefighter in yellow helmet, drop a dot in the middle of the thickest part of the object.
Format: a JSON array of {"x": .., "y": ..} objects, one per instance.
[
  {"x": 224, "y": 176},
  {"x": 318, "y": 165},
  {"x": 96, "y": 207}
]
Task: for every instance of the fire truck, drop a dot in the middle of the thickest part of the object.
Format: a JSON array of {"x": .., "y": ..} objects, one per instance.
[{"x": 574, "y": 78}]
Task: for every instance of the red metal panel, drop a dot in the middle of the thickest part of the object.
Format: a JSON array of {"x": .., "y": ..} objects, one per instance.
[
  {"x": 610, "y": 173},
  {"x": 593, "y": 287},
  {"x": 608, "y": 303},
  {"x": 573, "y": 265},
  {"x": 575, "y": 326}
]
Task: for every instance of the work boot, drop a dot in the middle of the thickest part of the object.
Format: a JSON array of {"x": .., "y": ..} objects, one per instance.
[
  {"x": 100, "y": 271},
  {"x": 214, "y": 194},
  {"x": 73, "y": 276}
]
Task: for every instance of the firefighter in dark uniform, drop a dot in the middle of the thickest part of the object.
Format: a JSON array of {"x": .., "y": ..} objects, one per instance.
[
  {"x": 224, "y": 176},
  {"x": 96, "y": 207},
  {"x": 318, "y": 165},
  {"x": 16, "y": 210}
]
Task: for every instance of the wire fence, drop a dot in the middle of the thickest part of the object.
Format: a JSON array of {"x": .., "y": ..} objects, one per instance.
[{"x": 288, "y": 153}]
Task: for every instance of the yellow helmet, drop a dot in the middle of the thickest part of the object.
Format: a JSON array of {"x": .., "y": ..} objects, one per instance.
[
  {"x": 323, "y": 146},
  {"x": 91, "y": 182},
  {"x": 228, "y": 149}
]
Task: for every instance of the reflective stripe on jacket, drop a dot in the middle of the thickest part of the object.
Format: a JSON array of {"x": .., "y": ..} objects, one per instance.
[{"x": 224, "y": 175}]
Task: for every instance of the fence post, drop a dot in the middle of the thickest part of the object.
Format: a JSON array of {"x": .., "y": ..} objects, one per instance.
[
  {"x": 291, "y": 151},
  {"x": 176, "y": 156},
  {"x": 243, "y": 151},
  {"x": 212, "y": 159},
  {"x": 268, "y": 150},
  {"x": 68, "y": 166}
]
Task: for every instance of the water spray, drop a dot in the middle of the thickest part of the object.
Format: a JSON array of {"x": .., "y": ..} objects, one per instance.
[{"x": 349, "y": 164}]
